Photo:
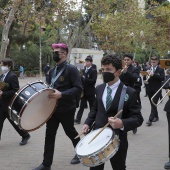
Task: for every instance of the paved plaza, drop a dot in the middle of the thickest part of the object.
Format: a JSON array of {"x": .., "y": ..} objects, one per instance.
[{"x": 148, "y": 148}]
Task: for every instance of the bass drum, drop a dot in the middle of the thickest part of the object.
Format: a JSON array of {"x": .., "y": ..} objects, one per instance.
[{"x": 31, "y": 107}]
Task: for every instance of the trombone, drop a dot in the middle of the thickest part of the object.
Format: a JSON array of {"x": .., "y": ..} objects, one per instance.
[{"x": 167, "y": 94}]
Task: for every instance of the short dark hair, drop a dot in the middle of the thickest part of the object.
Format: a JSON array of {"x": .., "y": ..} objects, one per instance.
[
  {"x": 154, "y": 58},
  {"x": 128, "y": 55},
  {"x": 112, "y": 59},
  {"x": 89, "y": 58},
  {"x": 8, "y": 62}
]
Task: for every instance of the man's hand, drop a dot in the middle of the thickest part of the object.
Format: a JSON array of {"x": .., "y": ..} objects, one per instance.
[
  {"x": 115, "y": 123},
  {"x": 57, "y": 94},
  {"x": 85, "y": 128}
]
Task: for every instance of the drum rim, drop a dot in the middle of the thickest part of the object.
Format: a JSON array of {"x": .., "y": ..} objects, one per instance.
[
  {"x": 19, "y": 91},
  {"x": 24, "y": 107},
  {"x": 113, "y": 134}
]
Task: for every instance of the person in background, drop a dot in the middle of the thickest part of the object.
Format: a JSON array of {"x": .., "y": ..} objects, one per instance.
[
  {"x": 147, "y": 67},
  {"x": 156, "y": 76},
  {"x": 6, "y": 95},
  {"x": 136, "y": 64},
  {"x": 46, "y": 72},
  {"x": 89, "y": 80},
  {"x": 66, "y": 83},
  {"x": 106, "y": 106},
  {"x": 21, "y": 69}
]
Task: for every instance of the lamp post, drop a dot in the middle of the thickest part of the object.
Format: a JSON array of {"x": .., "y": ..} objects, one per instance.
[{"x": 40, "y": 47}]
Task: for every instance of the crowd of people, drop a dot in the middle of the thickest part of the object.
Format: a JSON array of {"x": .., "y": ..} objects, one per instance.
[{"x": 74, "y": 88}]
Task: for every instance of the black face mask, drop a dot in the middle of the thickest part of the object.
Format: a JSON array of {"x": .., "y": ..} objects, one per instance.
[
  {"x": 56, "y": 57},
  {"x": 108, "y": 76}
]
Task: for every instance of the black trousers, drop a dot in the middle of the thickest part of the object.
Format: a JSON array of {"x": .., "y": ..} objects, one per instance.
[
  {"x": 3, "y": 116},
  {"x": 118, "y": 161},
  {"x": 83, "y": 102},
  {"x": 154, "y": 111},
  {"x": 67, "y": 121},
  {"x": 168, "y": 118},
  {"x": 138, "y": 97}
]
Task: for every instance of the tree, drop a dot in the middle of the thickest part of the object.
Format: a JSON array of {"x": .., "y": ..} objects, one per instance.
[{"x": 9, "y": 20}]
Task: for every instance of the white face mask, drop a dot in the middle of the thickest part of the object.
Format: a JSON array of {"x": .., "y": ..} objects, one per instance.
[{"x": 4, "y": 69}]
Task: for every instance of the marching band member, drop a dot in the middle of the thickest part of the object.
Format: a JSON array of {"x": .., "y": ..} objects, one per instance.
[
  {"x": 130, "y": 76},
  {"x": 106, "y": 105},
  {"x": 155, "y": 78},
  {"x": 66, "y": 87},
  {"x": 6, "y": 95},
  {"x": 89, "y": 80}
]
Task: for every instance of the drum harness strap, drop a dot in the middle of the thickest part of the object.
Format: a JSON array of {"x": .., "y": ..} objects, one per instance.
[
  {"x": 58, "y": 75},
  {"x": 122, "y": 99},
  {"x": 121, "y": 104}
]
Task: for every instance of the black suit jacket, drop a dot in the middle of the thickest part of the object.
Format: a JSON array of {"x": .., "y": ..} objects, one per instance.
[
  {"x": 155, "y": 81},
  {"x": 131, "y": 115},
  {"x": 89, "y": 81},
  {"x": 130, "y": 77},
  {"x": 13, "y": 86}
]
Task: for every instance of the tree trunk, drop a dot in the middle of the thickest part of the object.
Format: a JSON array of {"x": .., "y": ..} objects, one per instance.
[{"x": 5, "y": 32}]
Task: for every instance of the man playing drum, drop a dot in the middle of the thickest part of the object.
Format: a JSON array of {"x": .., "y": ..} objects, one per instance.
[
  {"x": 6, "y": 95},
  {"x": 66, "y": 87},
  {"x": 106, "y": 106}
]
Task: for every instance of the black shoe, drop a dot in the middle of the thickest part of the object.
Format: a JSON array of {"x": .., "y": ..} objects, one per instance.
[
  {"x": 134, "y": 131},
  {"x": 25, "y": 140},
  {"x": 167, "y": 165},
  {"x": 75, "y": 160},
  {"x": 149, "y": 123},
  {"x": 155, "y": 119},
  {"x": 42, "y": 167},
  {"x": 76, "y": 122}
]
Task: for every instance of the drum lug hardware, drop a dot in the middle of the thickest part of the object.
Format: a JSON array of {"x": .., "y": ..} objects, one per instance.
[
  {"x": 16, "y": 123},
  {"x": 21, "y": 98},
  {"x": 108, "y": 149},
  {"x": 10, "y": 112},
  {"x": 91, "y": 160},
  {"x": 34, "y": 88},
  {"x": 15, "y": 112},
  {"x": 97, "y": 158},
  {"x": 103, "y": 154}
]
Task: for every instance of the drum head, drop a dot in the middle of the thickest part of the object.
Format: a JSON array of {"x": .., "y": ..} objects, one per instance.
[
  {"x": 37, "y": 111},
  {"x": 83, "y": 148}
]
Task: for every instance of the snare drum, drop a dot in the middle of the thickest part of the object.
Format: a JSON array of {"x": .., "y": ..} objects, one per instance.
[
  {"x": 101, "y": 149},
  {"x": 31, "y": 107}
]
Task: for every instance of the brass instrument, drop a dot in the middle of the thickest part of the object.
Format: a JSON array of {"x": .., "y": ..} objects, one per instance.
[
  {"x": 167, "y": 94},
  {"x": 125, "y": 66},
  {"x": 148, "y": 76}
]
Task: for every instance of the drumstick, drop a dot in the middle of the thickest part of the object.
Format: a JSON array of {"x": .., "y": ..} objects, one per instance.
[
  {"x": 106, "y": 125},
  {"x": 79, "y": 135}
]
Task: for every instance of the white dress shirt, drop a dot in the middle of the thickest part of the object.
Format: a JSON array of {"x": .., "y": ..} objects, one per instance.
[
  {"x": 4, "y": 75},
  {"x": 114, "y": 88}
]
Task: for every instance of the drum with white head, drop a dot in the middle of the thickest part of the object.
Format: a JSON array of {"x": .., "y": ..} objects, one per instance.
[
  {"x": 31, "y": 107},
  {"x": 101, "y": 149}
]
